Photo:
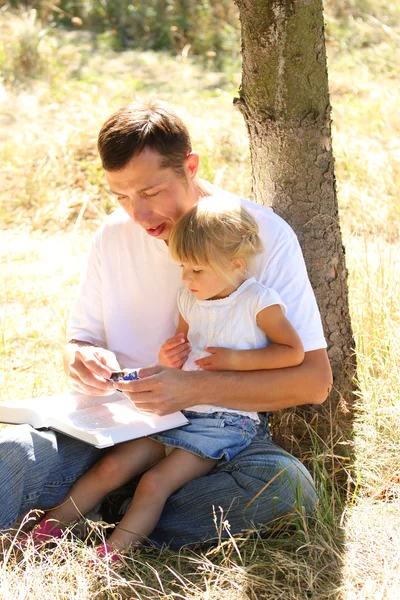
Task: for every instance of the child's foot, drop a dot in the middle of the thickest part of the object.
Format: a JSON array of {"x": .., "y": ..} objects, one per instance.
[
  {"x": 108, "y": 552},
  {"x": 46, "y": 531}
]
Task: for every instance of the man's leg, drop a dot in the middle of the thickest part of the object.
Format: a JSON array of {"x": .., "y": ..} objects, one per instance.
[
  {"x": 37, "y": 468},
  {"x": 260, "y": 484}
]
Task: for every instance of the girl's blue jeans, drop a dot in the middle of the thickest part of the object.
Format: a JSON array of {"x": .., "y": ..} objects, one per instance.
[{"x": 263, "y": 482}]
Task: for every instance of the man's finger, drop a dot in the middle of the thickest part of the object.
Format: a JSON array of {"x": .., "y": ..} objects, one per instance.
[
  {"x": 87, "y": 378},
  {"x": 149, "y": 371},
  {"x": 93, "y": 364},
  {"x": 142, "y": 404},
  {"x": 146, "y": 382},
  {"x": 109, "y": 361},
  {"x": 83, "y": 388}
]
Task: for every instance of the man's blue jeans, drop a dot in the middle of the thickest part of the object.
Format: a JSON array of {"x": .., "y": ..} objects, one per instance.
[{"x": 37, "y": 468}]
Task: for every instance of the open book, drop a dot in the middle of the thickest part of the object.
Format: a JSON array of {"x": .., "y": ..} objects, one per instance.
[{"x": 98, "y": 420}]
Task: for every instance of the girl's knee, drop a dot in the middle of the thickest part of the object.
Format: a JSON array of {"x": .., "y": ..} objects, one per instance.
[
  {"x": 108, "y": 468},
  {"x": 152, "y": 485}
]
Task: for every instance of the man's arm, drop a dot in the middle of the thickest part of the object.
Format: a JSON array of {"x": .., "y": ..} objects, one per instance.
[
  {"x": 87, "y": 366},
  {"x": 162, "y": 390}
]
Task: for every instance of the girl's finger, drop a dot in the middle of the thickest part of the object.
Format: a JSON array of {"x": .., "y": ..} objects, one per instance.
[
  {"x": 173, "y": 343},
  {"x": 182, "y": 348}
]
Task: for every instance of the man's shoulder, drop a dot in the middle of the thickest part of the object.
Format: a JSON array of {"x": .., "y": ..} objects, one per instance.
[
  {"x": 118, "y": 218},
  {"x": 258, "y": 290},
  {"x": 268, "y": 221},
  {"x": 116, "y": 225}
]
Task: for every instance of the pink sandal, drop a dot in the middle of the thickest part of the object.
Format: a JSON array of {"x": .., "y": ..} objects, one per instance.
[
  {"x": 108, "y": 552},
  {"x": 46, "y": 530}
]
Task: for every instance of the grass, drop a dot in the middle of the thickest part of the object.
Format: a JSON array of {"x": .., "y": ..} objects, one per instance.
[
  {"x": 304, "y": 562},
  {"x": 53, "y": 198}
]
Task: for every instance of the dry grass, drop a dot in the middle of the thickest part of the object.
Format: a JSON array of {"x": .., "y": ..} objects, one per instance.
[
  {"x": 298, "y": 565},
  {"x": 371, "y": 566},
  {"x": 52, "y": 198}
]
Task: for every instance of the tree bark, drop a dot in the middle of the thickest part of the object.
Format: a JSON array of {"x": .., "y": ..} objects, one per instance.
[{"x": 284, "y": 98}]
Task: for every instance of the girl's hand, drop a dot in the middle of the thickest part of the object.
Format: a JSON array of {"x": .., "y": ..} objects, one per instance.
[
  {"x": 175, "y": 351},
  {"x": 220, "y": 359}
]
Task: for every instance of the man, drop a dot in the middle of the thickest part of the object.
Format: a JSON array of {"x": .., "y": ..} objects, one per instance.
[{"x": 126, "y": 308}]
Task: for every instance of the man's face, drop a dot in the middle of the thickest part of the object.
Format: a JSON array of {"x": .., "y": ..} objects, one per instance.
[{"x": 154, "y": 197}]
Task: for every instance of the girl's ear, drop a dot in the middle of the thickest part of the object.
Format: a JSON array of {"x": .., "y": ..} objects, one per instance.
[{"x": 238, "y": 264}]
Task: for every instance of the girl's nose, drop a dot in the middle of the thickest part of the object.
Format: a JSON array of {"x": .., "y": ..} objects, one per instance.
[{"x": 185, "y": 275}]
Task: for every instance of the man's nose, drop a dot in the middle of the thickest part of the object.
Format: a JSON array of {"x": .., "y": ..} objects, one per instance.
[{"x": 140, "y": 210}]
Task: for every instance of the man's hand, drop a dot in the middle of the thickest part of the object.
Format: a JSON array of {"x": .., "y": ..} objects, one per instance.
[
  {"x": 159, "y": 390},
  {"x": 174, "y": 352},
  {"x": 219, "y": 359},
  {"x": 87, "y": 368},
  {"x": 162, "y": 391}
]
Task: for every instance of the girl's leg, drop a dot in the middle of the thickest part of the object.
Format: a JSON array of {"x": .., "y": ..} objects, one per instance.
[
  {"x": 113, "y": 470},
  {"x": 153, "y": 490}
]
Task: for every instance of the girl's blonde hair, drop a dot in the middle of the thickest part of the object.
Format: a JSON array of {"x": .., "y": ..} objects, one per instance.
[{"x": 213, "y": 232}]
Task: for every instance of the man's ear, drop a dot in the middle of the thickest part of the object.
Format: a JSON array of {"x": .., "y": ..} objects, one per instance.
[
  {"x": 192, "y": 164},
  {"x": 238, "y": 264}
]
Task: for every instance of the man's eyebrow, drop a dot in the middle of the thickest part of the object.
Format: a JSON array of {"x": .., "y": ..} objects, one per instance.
[{"x": 144, "y": 189}]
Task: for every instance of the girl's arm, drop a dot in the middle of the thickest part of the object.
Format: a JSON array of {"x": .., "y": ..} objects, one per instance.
[
  {"x": 174, "y": 351},
  {"x": 285, "y": 349}
]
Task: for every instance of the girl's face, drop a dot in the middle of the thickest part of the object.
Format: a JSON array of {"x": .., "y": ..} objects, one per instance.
[{"x": 207, "y": 284}]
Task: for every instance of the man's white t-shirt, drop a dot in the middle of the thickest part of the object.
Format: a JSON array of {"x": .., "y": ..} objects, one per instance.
[{"x": 127, "y": 298}]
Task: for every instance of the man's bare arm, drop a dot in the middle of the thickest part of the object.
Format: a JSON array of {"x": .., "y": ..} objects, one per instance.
[
  {"x": 162, "y": 390},
  {"x": 88, "y": 367}
]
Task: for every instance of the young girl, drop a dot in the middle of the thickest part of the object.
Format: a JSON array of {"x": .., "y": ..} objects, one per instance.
[{"x": 227, "y": 321}]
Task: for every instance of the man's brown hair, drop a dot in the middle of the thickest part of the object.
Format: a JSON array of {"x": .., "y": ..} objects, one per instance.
[{"x": 140, "y": 126}]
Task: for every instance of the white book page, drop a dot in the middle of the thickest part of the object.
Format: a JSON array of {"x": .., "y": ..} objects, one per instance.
[
  {"x": 13, "y": 413},
  {"x": 38, "y": 410},
  {"x": 108, "y": 415},
  {"x": 68, "y": 402},
  {"x": 105, "y": 419}
]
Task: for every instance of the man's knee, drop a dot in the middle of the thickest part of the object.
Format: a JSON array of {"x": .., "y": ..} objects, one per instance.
[
  {"x": 273, "y": 481},
  {"x": 16, "y": 445},
  {"x": 260, "y": 484}
]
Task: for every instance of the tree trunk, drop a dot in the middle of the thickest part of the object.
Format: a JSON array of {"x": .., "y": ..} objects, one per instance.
[{"x": 284, "y": 99}]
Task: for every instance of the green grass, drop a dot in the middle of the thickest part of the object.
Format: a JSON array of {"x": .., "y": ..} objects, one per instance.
[{"x": 51, "y": 200}]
